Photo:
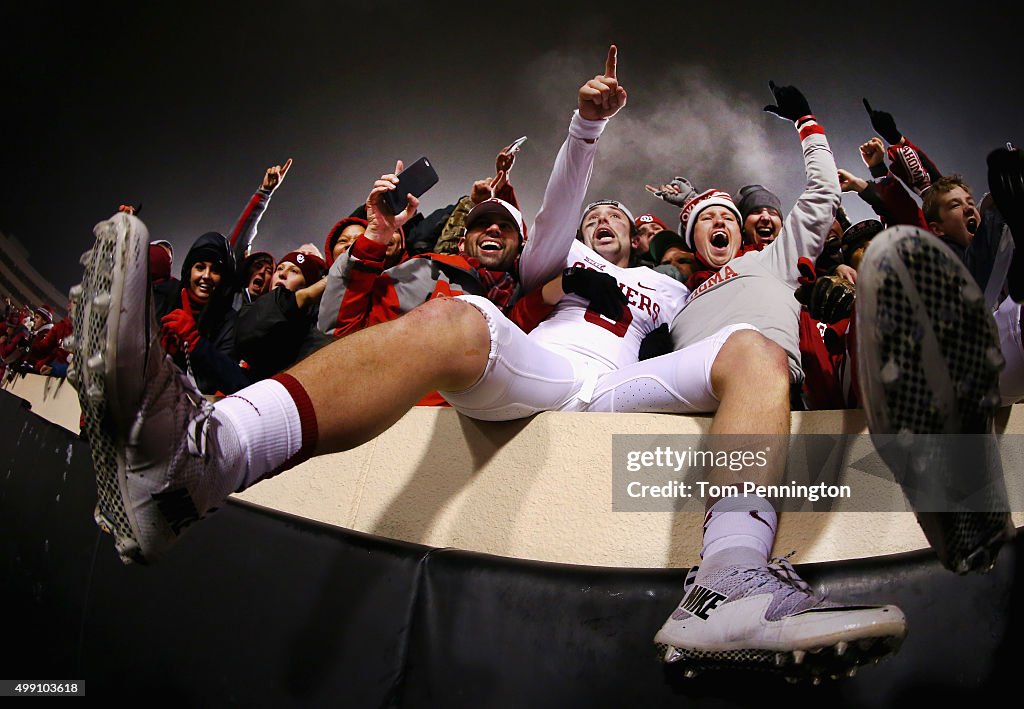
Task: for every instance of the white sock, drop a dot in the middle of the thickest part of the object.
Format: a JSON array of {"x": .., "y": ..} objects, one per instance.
[
  {"x": 260, "y": 430},
  {"x": 738, "y": 530}
]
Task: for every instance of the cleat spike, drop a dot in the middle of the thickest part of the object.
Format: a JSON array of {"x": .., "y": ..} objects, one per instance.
[
  {"x": 841, "y": 647},
  {"x": 94, "y": 393},
  {"x": 85, "y": 257},
  {"x": 96, "y": 362},
  {"x": 971, "y": 293},
  {"x": 792, "y": 680},
  {"x": 690, "y": 674},
  {"x": 69, "y": 342},
  {"x": 798, "y": 656},
  {"x": 72, "y": 376},
  {"x": 780, "y": 659},
  {"x": 890, "y": 373},
  {"x": 816, "y": 681},
  {"x": 672, "y": 654},
  {"x": 76, "y": 292},
  {"x": 852, "y": 672},
  {"x": 102, "y": 302},
  {"x": 995, "y": 357}
]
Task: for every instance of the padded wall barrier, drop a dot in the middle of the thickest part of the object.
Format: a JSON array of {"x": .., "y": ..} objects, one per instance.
[{"x": 258, "y": 608}]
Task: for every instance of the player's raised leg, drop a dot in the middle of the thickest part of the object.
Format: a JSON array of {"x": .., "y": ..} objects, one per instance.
[
  {"x": 928, "y": 363},
  {"x": 164, "y": 456}
]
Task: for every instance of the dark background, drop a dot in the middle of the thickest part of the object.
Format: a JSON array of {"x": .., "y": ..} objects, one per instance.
[{"x": 183, "y": 105}]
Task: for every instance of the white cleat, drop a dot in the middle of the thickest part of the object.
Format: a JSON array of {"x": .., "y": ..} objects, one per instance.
[
  {"x": 144, "y": 421},
  {"x": 929, "y": 358},
  {"x": 759, "y": 618}
]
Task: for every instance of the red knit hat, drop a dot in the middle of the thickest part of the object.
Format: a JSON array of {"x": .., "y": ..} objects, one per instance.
[
  {"x": 650, "y": 219},
  {"x": 311, "y": 265}
]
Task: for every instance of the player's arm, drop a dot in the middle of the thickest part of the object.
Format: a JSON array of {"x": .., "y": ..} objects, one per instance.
[
  {"x": 806, "y": 226},
  {"x": 558, "y": 219}
]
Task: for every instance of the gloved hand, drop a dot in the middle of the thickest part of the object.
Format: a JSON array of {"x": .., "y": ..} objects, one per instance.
[
  {"x": 828, "y": 299},
  {"x": 178, "y": 328},
  {"x": 1006, "y": 182},
  {"x": 790, "y": 103},
  {"x": 884, "y": 124},
  {"x": 656, "y": 343},
  {"x": 677, "y": 192},
  {"x": 601, "y": 289},
  {"x": 911, "y": 165}
]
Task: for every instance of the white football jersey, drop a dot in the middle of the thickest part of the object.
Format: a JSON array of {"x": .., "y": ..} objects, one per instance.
[{"x": 573, "y": 329}]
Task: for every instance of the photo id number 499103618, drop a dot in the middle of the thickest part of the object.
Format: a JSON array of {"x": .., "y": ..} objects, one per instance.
[{"x": 42, "y": 688}]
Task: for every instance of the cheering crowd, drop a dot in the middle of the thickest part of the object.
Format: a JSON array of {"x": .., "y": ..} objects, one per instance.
[{"x": 747, "y": 309}]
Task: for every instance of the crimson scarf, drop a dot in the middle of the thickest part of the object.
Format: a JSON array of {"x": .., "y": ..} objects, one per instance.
[{"x": 499, "y": 285}]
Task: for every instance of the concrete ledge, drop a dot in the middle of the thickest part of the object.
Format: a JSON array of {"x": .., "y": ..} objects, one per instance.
[{"x": 538, "y": 489}]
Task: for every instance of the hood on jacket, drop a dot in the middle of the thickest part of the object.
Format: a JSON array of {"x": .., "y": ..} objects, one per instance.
[
  {"x": 335, "y": 232},
  {"x": 211, "y": 246}
]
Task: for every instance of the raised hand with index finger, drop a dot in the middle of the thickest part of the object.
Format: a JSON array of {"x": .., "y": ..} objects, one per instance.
[
  {"x": 602, "y": 96},
  {"x": 275, "y": 176}
]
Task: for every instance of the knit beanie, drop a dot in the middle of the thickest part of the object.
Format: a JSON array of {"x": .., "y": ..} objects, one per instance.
[
  {"x": 311, "y": 265},
  {"x": 755, "y": 197},
  {"x": 708, "y": 198}
]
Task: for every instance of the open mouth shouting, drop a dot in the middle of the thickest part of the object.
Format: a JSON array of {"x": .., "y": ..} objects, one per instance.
[
  {"x": 604, "y": 235},
  {"x": 720, "y": 239},
  {"x": 972, "y": 225},
  {"x": 764, "y": 232}
]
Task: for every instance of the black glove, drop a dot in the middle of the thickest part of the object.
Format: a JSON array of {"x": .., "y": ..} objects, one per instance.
[
  {"x": 828, "y": 299},
  {"x": 656, "y": 343},
  {"x": 791, "y": 104},
  {"x": 884, "y": 125},
  {"x": 601, "y": 289},
  {"x": 1006, "y": 182}
]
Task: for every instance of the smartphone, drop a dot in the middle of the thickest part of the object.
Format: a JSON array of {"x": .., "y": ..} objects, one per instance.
[
  {"x": 413, "y": 180},
  {"x": 515, "y": 147}
]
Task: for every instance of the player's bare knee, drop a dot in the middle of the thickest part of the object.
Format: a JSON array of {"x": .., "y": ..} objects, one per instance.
[
  {"x": 747, "y": 355},
  {"x": 455, "y": 328}
]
